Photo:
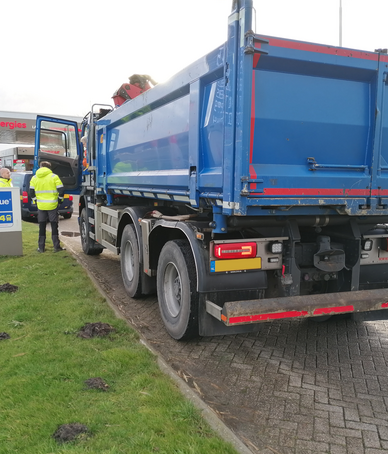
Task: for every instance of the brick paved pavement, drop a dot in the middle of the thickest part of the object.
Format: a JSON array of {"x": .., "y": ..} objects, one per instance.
[
  {"x": 292, "y": 387},
  {"x": 299, "y": 387}
]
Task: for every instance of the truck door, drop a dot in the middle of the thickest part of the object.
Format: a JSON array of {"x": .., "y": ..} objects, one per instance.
[{"x": 57, "y": 141}]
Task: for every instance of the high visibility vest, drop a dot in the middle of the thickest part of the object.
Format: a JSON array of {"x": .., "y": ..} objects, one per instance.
[
  {"x": 5, "y": 183},
  {"x": 46, "y": 185}
]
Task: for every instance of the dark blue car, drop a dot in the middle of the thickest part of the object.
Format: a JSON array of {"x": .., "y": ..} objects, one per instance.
[{"x": 29, "y": 210}]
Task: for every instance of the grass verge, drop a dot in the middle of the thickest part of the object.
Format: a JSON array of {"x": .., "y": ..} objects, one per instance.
[{"x": 44, "y": 366}]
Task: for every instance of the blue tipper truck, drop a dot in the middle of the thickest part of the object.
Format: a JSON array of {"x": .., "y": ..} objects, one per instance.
[{"x": 252, "y": 186}]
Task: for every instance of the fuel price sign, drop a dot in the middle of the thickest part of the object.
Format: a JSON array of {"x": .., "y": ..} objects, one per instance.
[
  {"x": 10, "y": 222},
  {"x": 6, "y": 212}
]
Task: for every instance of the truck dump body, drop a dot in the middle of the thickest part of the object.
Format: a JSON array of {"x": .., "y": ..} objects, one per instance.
[
  {"x": 309, "y": 125},
  {"x": 251, "y": 186}
]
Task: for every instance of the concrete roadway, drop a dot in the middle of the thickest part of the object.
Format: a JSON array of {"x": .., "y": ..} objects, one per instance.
[{"x": 292, "y": 387}]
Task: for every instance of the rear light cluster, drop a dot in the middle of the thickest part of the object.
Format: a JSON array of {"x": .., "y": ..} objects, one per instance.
[
  {"x": 381, "y": 243},
  {"x": 25, "y": 197},
  {"x": 70, "y": 198},
  {"x": 235, "y": 250},
  {"x": 241, "y": 255},
  {"x": 374, "y": 250},
  {"x": 244, "y": 250}
]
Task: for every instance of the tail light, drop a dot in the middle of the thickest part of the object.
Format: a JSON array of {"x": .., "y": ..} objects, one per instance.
[
  {"x": 384, "y": 244},
  {"x": 70, "y": 198},
  {"x": 25, "y": 197},
  {"x": 235, "y": 250}
]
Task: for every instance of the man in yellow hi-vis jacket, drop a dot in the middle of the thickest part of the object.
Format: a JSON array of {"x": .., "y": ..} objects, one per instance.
[
  {"x": 46, "y": 189},
  {"x": 5, "y": 178}
]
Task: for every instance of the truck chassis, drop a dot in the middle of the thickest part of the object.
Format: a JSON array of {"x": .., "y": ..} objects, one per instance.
[{"x": 310, "y": 267}]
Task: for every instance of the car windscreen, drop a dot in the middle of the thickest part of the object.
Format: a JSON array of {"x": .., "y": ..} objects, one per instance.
[{"x": 17, "y": 179}]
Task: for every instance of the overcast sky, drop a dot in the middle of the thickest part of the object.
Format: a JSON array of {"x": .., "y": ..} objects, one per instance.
[{"x": 60, "y": 57}]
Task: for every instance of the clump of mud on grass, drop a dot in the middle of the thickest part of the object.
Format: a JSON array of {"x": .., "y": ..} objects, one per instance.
[
  {"x": 96, "y": 383},
  {"x": 8, "y": 288},
  {"x": 4, "y": 336},
  {"x": 95, "y": 330},
  {"x": 71, "y": 432}
]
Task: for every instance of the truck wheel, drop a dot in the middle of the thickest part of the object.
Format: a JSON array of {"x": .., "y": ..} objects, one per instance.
[
  {"x": 130, "y": 264},
  {"x": 177, "y": 290},
  {"x": 89, "y": 246}
]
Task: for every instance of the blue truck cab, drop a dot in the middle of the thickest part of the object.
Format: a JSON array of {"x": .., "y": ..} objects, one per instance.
[{"x": 252, "y": 186}]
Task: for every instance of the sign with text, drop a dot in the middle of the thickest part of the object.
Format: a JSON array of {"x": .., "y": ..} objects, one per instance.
[
  {"x": 10, "y": 210},
  {"x": 10, "y": 222},
  {"x": 19, "y": 165},
  {"x": 6, "y": 215}
]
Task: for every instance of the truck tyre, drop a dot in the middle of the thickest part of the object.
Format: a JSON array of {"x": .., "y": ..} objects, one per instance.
[
  {"x": 177, "y": 290},
  {"x": 89, "y": 246},
  {"x": 130, "y": 262}
]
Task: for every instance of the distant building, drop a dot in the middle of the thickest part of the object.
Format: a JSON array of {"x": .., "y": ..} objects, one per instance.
[{"x": 17, "y": 129}]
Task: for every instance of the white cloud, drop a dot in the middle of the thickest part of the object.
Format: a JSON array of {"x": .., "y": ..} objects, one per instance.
[{"x": 60, "y": 57}]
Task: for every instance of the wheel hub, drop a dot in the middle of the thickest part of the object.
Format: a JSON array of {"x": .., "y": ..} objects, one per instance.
[
  {"x": 129, "y": 264},
  {"x": 173, "y": 289}
]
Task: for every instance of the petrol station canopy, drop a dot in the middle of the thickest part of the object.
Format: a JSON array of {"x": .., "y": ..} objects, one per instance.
[
  {"x": 17, "y": 138},
  {"x": 18, "y": 128}
]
